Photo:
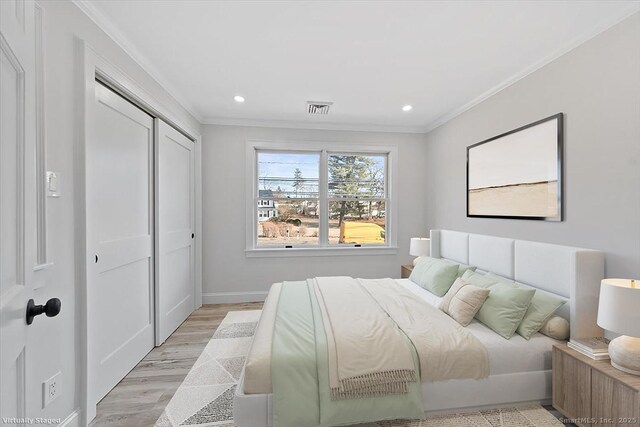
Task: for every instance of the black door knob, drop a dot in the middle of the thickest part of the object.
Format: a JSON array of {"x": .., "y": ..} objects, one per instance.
[{"x": 51, "y": 309}]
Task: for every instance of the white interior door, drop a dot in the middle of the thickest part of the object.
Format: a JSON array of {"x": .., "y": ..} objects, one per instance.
[
  {"x": 175, "y": 272},
  {"x": 17, "y": 206},
  {"x": 120, "y": 229}
]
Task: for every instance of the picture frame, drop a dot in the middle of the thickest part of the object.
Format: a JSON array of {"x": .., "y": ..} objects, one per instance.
[{"x": 518, "y": 174}]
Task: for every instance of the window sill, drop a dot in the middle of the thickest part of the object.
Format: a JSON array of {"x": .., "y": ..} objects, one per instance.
[{"x": 313, "y": 252}]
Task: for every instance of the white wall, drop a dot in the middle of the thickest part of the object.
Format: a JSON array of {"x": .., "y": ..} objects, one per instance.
[
  {"x": 226, "y": 269},
  {"x": 597, "y": 86},
  {"x": 54, "y": 343}
]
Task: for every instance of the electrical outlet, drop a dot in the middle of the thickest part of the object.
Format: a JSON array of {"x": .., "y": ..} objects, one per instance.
[{"x": 51, "y": 389}]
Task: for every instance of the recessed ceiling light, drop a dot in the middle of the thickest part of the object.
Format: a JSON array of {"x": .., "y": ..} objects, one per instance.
[
  {"x": 407, "y": 108},
  {"x": 238, "y": 99}
]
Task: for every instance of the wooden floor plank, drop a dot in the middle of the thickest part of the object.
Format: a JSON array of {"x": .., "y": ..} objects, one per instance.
[{"x": 140, "y": 398}]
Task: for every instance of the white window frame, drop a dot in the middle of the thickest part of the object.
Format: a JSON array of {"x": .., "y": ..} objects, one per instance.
[{"x": 323, "y": 248}]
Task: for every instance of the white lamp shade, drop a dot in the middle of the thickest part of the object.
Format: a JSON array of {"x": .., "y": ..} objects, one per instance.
[
  {"x": 420, "y": 246},
  {"x": 619, "y": 306}
]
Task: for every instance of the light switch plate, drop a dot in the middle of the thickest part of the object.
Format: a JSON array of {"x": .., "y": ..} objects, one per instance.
[{"x": 53, "y": 184}]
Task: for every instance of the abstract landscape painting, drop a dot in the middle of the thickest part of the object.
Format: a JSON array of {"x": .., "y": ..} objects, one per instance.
[{"x": 517, "y": 174}]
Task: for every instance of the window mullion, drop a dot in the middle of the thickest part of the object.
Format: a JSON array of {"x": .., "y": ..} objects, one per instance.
[{"x": 324, "y": 205}]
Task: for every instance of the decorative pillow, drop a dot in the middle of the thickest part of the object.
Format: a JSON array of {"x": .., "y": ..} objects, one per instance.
[
  {"x": 478, "y": 279},
  {"x": 505, "y": 308},
  {"x": 446, "y": 300},
  {"x": 434, "y": 275},
  {"x": 462, "y": 267},
  {"x": 556, "y": 327},
  {"x": 501, "y": 279},
  {"x": 463, "y": 301},
  {"x": 543, "y": 305}
]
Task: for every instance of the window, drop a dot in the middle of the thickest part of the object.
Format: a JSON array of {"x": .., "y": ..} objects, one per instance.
[
  {"x": 356, "y": 198},
  {"x": 325, "y": 197},
  {"x": 288, "y": 198}
]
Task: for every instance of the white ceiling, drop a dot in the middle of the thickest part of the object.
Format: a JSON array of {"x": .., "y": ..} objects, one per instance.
[{"x": 369, "y": 58}]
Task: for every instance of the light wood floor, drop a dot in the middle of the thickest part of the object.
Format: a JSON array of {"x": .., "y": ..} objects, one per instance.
[{"x": 138, "y": 400}]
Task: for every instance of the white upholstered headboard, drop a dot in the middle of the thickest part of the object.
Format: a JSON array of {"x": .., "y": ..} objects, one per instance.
[{"x": 573, "y": 273}]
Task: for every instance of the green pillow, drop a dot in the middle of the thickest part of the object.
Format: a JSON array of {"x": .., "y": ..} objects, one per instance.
[
  {"x": 501, "y": 279},
  {"x": 462, "y": 267},
  {"x": 543, "y": 305},
  {"x": 505, "y": 308},
  {"x": 435, "y": 275},
  {"x": 478, "y": 279}
]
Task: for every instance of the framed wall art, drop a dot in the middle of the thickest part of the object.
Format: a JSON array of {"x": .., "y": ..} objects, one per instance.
[{"x": 518, "y": 174}]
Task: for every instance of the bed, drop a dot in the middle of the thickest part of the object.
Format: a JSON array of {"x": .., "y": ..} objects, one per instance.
[{"x": 519, "y": 370}]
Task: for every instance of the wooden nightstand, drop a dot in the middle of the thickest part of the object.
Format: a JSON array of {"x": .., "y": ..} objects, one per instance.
[
  {"x": 406, "y": 270},
  {"x": 592, "y": 392}
]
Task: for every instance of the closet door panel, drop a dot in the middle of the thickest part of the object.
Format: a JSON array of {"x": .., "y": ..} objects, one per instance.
[
  {"x": 120, "y": 225},
  {"x": 175, "y": 278}
]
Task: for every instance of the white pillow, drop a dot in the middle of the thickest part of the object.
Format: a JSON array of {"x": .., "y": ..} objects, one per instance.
[{"x": 463, "y": 301}]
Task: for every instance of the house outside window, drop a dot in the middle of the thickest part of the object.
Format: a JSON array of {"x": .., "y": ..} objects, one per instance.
[{"x": 266, "y": 208}]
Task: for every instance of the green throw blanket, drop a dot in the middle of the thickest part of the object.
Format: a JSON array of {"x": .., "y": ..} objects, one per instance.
[{"x": 300, "y": 375}]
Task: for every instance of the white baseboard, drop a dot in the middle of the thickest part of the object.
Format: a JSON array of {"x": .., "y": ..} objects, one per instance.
[
  {"x": 73, "y": 420},
  {"x": 232, "y": 297}
]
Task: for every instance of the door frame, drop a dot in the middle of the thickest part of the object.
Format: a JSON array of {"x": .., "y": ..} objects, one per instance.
[{"x": 91, "y": 65}]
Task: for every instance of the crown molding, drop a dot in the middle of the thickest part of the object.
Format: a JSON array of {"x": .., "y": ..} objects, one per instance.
[
  {"x": 633, "y": 8},
  {"x": 291, "y": 124},
  {"x": 113, "y": 32}
]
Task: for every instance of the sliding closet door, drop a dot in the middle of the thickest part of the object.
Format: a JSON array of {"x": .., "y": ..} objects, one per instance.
[
  {"x": 120, "y": 229},
  {"x": 175, "y": 249}
]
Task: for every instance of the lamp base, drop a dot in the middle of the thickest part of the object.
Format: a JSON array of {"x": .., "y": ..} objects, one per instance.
[{"x": 624, "y": 352}]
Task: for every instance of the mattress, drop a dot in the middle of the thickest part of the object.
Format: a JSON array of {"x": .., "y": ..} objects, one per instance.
[{"x": 515, "y": 355}]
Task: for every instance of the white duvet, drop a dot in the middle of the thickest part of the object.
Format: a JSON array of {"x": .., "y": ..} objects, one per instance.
[{"x": 505, "y": 356}]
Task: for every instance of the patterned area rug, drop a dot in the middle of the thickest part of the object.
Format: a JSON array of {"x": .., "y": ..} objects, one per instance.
[{"x": 205, "y": 397}]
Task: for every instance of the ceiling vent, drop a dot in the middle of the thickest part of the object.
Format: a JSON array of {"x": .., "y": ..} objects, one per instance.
[{"x": 314, "y": 107}]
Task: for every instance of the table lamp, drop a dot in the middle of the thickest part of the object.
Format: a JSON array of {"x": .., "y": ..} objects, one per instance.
[
  {"x": 619, "y": 311},
  {"x": 420, "y": 246}
]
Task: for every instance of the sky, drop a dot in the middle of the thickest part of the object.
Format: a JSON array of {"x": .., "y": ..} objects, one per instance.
[
  {"x": 277, "y": 169},
  {"x": 283, "y": 165}
]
